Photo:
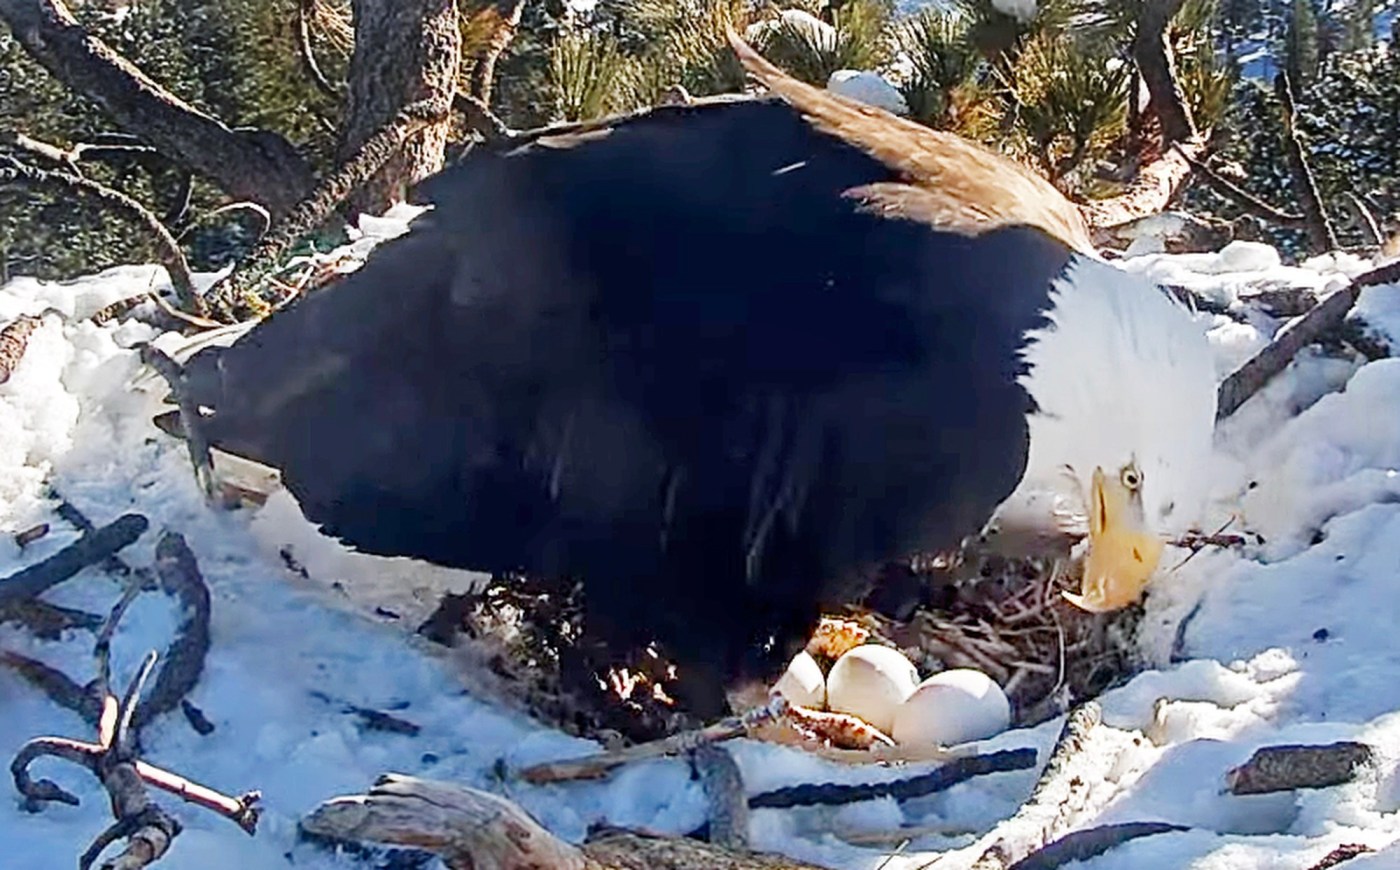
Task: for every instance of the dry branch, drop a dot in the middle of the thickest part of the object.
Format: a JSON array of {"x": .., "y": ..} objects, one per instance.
[
  {"x": 1320, "y": 232},
  {"x": 195, "y": 441},
  {"x": 179, "y": 577},
  {"x": 728, "y": 810},
  {"x": 1152, "y": 54},
  {"x": 1325, "y": 317},
  {"x": 148, "y": 830},
  {"x": 1156, "y": 185},
  {"x": 1284, "y": 768},
  {"x": 90, "y": 549},
  {"x": 167, "y": 250},
  {"x": 1241, "y": 197},
  {"x": 595, "y": 766},
  {"x": 480, "y": 118},
  {"x": 1091, "y": 842},
  {"x": 958, "y": 770},
  {"x": 481, "y": 831},
  {"x": 1341, "y": 855},
  {"x": 498, "y": 20},
  {"x": 257, "y": 165},
  {"x": 14, "y": 341},
  {"x": 1061, "y": 793},
  {"x": 55, "y": 684},
  {"x": 305, "y": 10}
]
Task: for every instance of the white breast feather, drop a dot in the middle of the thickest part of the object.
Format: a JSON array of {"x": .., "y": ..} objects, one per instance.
[{"x": 1122, "y": 372}]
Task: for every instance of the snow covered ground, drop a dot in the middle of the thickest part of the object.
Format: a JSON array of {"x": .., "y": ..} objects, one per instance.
[{"x": 1294, "y": 640}]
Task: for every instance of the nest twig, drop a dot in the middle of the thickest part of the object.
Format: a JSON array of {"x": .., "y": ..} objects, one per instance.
[{"x": 113, "y": 758}]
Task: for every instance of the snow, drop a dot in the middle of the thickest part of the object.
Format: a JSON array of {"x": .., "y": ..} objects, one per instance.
[
  {"x": 1291, "y": 640},
  {"x": 1021, "y": 10},
  {"x": 868, "y": 87}
]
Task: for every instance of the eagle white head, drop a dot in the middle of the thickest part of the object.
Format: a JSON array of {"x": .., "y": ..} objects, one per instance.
[{"x": 1120, "y": 438}]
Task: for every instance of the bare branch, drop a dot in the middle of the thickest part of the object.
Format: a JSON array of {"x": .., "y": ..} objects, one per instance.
[
  {"x": 1153, "y": 57},
  {"x": 168, "y": 251},
  {"x": 305, "y": 9},
  {"x": 1088, "y": 843},
  {"x": 1326, "y": 316},
  {"x": 499, "y": 20},
  {"x": 480, "y": 117},
  {"x": 1241, "y": 197},
  {"x": 1061, "y": 792},
  {"x": 1284, "y": 768},
  {"x": 184, "y": 660},
  {"x": 1156, "y": 185},
  {"x": 595, "y": 766},
  {"x": 260, "y": 165},
  {"x": 14, "y": 340},
  {"x": 90, "y": 549},
  {"x": 1320, "y": 231},
  {"x": 958, "y": 770}
]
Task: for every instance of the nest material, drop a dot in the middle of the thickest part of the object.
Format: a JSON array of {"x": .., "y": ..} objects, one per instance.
[{"x": 1003, "y": 617}]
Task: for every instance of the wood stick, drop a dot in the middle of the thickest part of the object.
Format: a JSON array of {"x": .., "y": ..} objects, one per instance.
[
  {"x": 14, "y": 341},
  {"x": 1060, "y": 794},
  {"x": 595, "y": 766},
  {"x": 475, "y": 830},
  {"x": 958, "y": 770},
  {"x": 1284, "y": 768},
  {"x": 728, "y": 811},
  {"x": 90, "y": 549},
  {"x": 168, "y": 252},
  {"x": 1088, "y": 843},
  {"x": 1327, "y": 315}
]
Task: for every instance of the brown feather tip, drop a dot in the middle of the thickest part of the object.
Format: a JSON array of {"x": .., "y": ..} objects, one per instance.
[{"x": 949, "y": 182}]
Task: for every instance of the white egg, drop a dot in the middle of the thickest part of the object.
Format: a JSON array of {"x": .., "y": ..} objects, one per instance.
[
  {"x": 952, "y": 707},
  {"x": 870, "y": 681},
  {"x": 802, "y": 683}
]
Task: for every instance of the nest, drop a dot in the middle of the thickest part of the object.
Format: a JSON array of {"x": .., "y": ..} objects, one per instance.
[{"x": 1003, "y": 617}]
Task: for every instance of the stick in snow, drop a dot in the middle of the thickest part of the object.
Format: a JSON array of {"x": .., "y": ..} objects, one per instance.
[
  {"x": 595, "y": 766},
  {"x": 1327, "y": 315},
  {"x": 1060, "y": 793},
  {"x": 1090, "y": 842},
  {"x": 1284, "y": 768}
]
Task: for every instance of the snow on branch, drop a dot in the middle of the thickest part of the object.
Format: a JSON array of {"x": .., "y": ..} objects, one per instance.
[
  {"x": 474, "y": 829},
  {"x": 1062, "y": 792},
  {"x": 1326, "y": 316}
]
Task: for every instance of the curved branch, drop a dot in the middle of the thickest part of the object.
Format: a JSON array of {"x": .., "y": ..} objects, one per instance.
[
  {"x": 305, "y": 8},
  {"x": 12, "y": 172},
  {"x": 260, "y": 166}
]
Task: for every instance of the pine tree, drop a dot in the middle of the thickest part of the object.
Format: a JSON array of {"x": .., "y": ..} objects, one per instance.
[{"x": 1300, "y": 49}]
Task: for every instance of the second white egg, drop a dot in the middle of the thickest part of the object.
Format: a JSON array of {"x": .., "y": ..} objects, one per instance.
[
  {"x": 870, "y": 681},
  {"x": 952, "y": 707}
]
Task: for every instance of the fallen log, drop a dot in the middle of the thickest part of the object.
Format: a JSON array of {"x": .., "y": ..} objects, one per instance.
[
  {"x": 1284, "y": 768},
  {"x": 476, "y": 830},
  {"x": 1326, "y": 316}
]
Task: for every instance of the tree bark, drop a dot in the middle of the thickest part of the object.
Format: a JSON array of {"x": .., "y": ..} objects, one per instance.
[
  {"x": 499, "y": 20},
  {"x": 257, "y": 165},
  {"x": 1321, "y": 235},
  {"x": 1154, "y": 60},
  {"x": 474, "y": 830},
  {"x": 406, "y": 52}
]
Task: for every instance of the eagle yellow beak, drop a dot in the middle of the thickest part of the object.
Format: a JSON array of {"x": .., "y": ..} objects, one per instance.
[{"x": 1122, "y": 553}]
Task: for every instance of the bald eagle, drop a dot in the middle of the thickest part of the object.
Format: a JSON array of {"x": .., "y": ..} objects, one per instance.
[{"x": 718, "y": 360}]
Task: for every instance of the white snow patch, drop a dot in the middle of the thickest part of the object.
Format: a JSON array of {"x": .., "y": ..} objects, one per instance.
[
  {"x": 868, "y": 87},
  {"x": 1021, "y": 10}
]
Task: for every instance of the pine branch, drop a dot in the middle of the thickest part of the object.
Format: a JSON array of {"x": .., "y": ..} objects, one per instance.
[
  {"x": 257, "y": 165},
  {"x": 1320, "y": 231},
  {"x": 14, "y": 173}
]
